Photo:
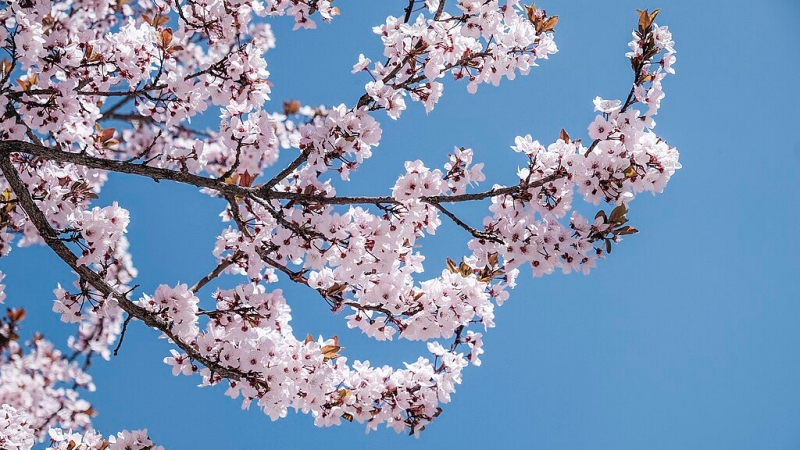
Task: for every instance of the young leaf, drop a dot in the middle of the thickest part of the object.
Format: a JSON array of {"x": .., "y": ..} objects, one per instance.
[
  {"x": 618, "y": 214},
  {"x": 106, "y": 134},
  {"x": 291, "y": 107},
  {"x": 549, "y": 24},
  {"x": 627, "y": 229},
  {"x": 602, "y": 214},
  {"x": 233, "y": 179},
  {"x": 15, "y": 315},
  {"x": 5, "y": 67},
  {"x": 330, "y": 352},
  {"x": 530, "y": 12},
  {"x": 644, "y": 18},
  {"x": 246, "y": 180},
  {"x": 166, "y": 37},
  {"x": 654, "y": 14}
]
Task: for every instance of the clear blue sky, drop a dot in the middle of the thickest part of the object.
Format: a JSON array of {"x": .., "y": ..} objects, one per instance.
[{"x": 687, "y": 337}]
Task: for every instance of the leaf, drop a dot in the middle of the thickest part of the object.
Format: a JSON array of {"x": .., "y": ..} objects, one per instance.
[
  {"x": 330, "y": 352},
  {"x": 90, "y": 54},
  {"x": 156, "y": 21},
  {"x": 549, "y": 24},
  {"x": 602, "y": 214},
  {"x": 654, "y": 14},
  {"x": 337, "y": 288},
  {"x": 493, "y": 259},
  {"x": 627, "y": 229},
  {"x": 308, "y": 338},
  {"x": 5, "y": 67},
  {"x": 347, "y": 416},
  {"x": 618, "y": 214},
  {"x": 464, "y": 269},
  {"x": 451, "y": 266},
  {"x": 630, "y": 172},
  {"x": 246, "y": 179},
  {"x": 27, "y": 84},
  {"x": 644, "y": 18},
  {"x": 166, "y": 37},
  {"x": 15, "y": 315},
  {"x": 107, "y": 134},
  {"x": 564, "y": 136},
  {"x": 530, "y": 11},
  {"x": 104, "y": 446},
  {"x": 608, "y": 246},
  {"x": 291, "y": 107},
  {"x": 233, "y": 179}
]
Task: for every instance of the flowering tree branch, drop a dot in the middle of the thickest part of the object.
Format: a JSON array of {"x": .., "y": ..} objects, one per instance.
[{"x": 124, "y": 65}]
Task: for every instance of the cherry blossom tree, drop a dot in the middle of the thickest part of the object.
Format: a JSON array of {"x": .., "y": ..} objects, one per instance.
[{"x": 92, "y": 87}]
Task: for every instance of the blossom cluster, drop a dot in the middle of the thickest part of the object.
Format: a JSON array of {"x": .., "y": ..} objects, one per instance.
[
  {"x": 38, "y": 388},
  {"x": 16, "y": 433},
  {"x": 484, "y": 43},
  {"x": 92, "y": 440},
  {"x": 249, "y": 332}
]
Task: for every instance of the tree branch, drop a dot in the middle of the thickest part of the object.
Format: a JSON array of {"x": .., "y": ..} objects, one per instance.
[
  {"x": 224, "y": 264},
  {"x": 7, "y": 147},
  {"x": 474, "y": 232},
  {"x": 50, "y": 237}
]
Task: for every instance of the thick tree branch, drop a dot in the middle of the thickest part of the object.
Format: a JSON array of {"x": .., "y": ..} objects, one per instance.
[
  {"x": 157, "y": 174},
  {"x": 50, "y": 237},
  {"x": 7, "y": 147}
]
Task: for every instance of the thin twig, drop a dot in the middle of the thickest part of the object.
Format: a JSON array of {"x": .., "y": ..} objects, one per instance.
[
  {"x": 224, "y": 264},
  {"x": 286, "y": 171},
  {"x": 474, "y": 232},
  {"x": 122, "y": 334}
]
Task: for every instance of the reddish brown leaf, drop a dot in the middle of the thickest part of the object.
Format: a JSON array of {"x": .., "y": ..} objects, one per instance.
[
  {"x": 166, "y": 37},
  {"x": 246, "y": 179},
  {"x": 15, "y": 315},
  {"x": 549, "y": 24},
  {"x": 291, "y": 107}
]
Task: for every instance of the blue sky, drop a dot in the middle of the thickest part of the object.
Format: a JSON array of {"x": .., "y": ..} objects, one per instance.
[{"x": 686, "y": 337}]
